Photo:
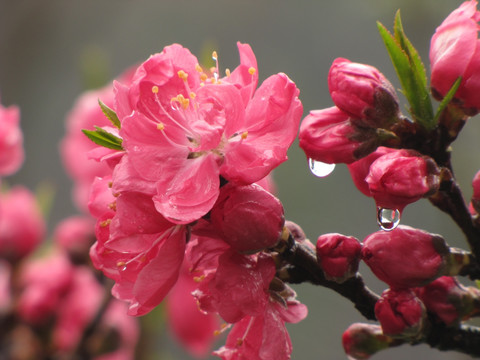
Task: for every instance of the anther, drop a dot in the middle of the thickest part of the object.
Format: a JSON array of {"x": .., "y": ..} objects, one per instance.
[
  {"x": 155, "y": 89},
  {"x": 121, "y": 263},
  {"x": 198, "y": 68},
  {"x": 252, "y": 70},
  {"x": 105, "y": 223},
  {"x": 244, "y": 135},
  {"x": 160, "y": 126},
  {"x": 182, "y": 75},
  {"x": 214, "y": 55},
  {"x": 227, "y": 72},
  {"x": 192, "y": 95}
]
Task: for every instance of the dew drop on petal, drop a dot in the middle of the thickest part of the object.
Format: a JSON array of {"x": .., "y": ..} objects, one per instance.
[
  {"x": 388, "y": 219},
  {"x": 319, "y": 168}
]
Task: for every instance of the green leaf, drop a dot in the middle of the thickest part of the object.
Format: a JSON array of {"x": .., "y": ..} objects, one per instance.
[
  {"x": 410, "y": 71},
  {"x": 110, "y": 114},
  {"x": 447, "y": 98},
  {"x": 104, "y": 138}
]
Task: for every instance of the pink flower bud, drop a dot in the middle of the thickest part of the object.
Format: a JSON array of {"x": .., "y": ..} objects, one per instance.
[
  {"x": 327, "y": 135},
  {"x": 248, "y": 217},
  {"x": 405, "y": 257},
  {"x": 476, "y": 192},
  {"x": 455, "y": 52},
  {"x": 363, "y": 93},
  {"x": 402, "y": 177},
  {"x": 360, "y": 340},
  {"x": 338, "y": 256},
  {"x": 400, "y": 313},
  {"x": 449, "y": 300},
  {"x": 76, "y": 235},
  {"x": 11, "y": 140},
  {"x": 21, "y": 224}
]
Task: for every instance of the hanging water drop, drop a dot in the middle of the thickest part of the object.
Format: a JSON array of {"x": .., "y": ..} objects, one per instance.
[
  {"x": 319, "y": 168},
  {"x": 388, "y": 219}
]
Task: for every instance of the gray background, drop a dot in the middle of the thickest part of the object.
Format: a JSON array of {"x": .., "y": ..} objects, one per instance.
[{"x": 45, "y": 47}]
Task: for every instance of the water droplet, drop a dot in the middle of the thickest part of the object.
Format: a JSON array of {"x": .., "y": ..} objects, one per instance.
[
  {"x": 388, "y": 219},
  {"x": 319, "y": 168}
]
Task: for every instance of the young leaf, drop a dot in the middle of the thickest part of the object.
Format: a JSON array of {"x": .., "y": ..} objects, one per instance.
[
  {"x": 447, "y": 98},
  {"x": 410, "y": 71},
  {"x": 104, "y": 138},
  {"x": 110, "y": 114}
]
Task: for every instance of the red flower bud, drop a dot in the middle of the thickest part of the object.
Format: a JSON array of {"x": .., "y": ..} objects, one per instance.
[
  {"x": 249, "y": 218},
  {"x": 406, "y": 257},
  {"x": 449, "y": 300},
  {"x": 363, "y": 93},
  {"x": 400, "y": 313},
  {"x": 455, "y": 52},
  {"x": 401, "y": 177},
  {"x": 327, "y": 135},
  {"x": 360, "y": 340},
  {"x": 338, "y": 256}
]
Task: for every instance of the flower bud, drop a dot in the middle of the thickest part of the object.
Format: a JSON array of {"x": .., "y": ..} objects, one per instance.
[
  {"x": 400, "y": 313},
  {"x": 327, "y": 135},
  {"x": 76, "y": 235},
  {"x": 449, "y": 300},
  {"x": 11, "y": 141},
  {"x": 338, "y": 256},
  {"x": 476, "y": 192},
  {"x": 21, "y": 224},
  {"x": 401, "y": 177},
  {"x": 455, "y": 52},
  {"x": 363, "y": 93},
  {"x": 360, "y": 340},
  {"x": 248, "y": 217},
  {"x": 406, "y": 257}
]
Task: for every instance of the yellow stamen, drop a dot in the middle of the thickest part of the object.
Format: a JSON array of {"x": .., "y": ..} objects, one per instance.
[
  {"x": 227, "y": 72},
  {"x": 182, "y": 75},
  {"x": 192, "y": 95},
  {"x": 214, "y": 55},
  {"x": 198, "y": 68},
  {"x": 244, "y": 135},
  {"x": 105, "y": 223},
  {"x": 155, "y": 89},
  {"x": 160, "y": 126},
  {"x": 252, "y": 70},
  {"x": 198, "y": 279},
  {"x": 110, "y": 184},
  {"x": 113, "y": 206},
  {"x": 203, "y": 77},
  {"x": 121, "y": 263}
]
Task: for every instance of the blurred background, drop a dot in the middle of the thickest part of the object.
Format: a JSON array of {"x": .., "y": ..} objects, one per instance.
[{"x": 52, "y": 50}]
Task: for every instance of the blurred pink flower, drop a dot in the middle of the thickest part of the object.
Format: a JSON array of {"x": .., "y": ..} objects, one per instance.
[{"x": 11, "y": 140}]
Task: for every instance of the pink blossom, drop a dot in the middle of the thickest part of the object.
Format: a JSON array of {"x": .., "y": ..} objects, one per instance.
[
  {"x": 183, "y": 136},
  {"x": 405, "y": 257},
  {"x": 11, "y": 140},
  {"x": 400, "y": 313},
  {"x": 140, "y": 250},
  {"x": 22, "y": 227},
  {"x": 248, "y": 218},
  {"x": 449, "y": 300},
  {"x": 44, "y": 283},
  {"x": 75, "y": 235},
  {"x": 401, "y": 177},
  {"x": 75, "y": 146},
  {"x": 338, "y": 255},
  {"x": 455, "y": 52},
  {"x": 328, "y": 136},
  {"x": 363, "y": 93},
  {"x": 194, "y": 329}
]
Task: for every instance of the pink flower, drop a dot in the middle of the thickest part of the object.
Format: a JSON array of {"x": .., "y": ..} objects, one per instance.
[
  {"x": 449, "y": 300},
  {"x": 44, "y": 283},
  {"x": 401, "y": 177},
  {"x": 400, "y": 313},
  {"x": 248, "y": 218},
  {"x": 11, "y": 140},
  {"x": 455, "y": 52},
  {"x": 360, "y": 341},
  {"x": 22, "y": 227},
  {"x": 140, "y": 250},
  {"x": 338, "y": 255},
  {"x": 328, "y": 136},
  {"x": 405, "y": 257},
  {"x": 75, "y": 146},
  {"x": 183, "y": 130},
  {"x": 363, "y": 93},
  {"x": 194, "y": 329},
  {"x": 475, "y": 202},
  {"x": 76, "y": 235}
]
